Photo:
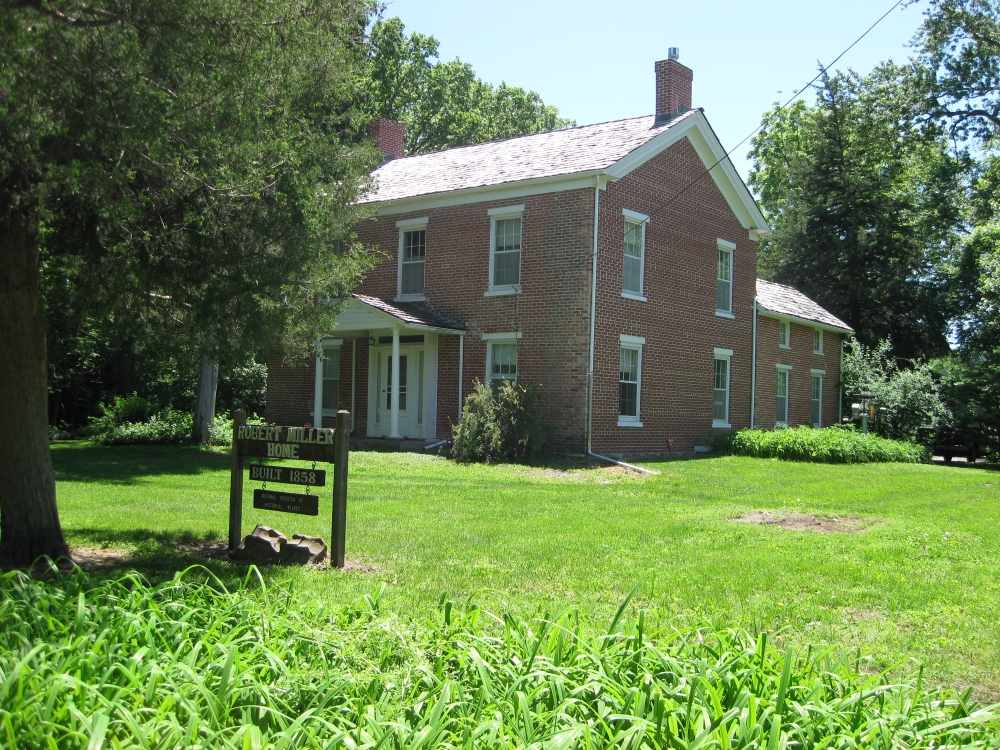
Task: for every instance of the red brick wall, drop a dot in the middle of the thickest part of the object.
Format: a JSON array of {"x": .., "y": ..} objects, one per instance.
[
  {"x": 552, "y": 312},
  {"x": 290, "y": 390},
  {"x": 673, "y": 86},
  {"x": 388, "y": 136},
  {"x": 801, "y": 358},
  {"x": 678, "y": 320}
]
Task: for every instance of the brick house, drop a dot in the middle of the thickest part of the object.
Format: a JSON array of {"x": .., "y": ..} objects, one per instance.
[{"x": 613, "y": 264}]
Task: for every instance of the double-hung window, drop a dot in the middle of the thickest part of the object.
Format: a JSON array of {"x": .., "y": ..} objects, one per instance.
[
  {"x": 817, "y": 398},
  {"x": 781, "y": 410},
  {"x": 634, "y": 258},
  {"x": 412, "y": 258},
  {"x": 629, "y": 380},
  {"x": 724, "y": 278},
  {"x": 817, "y": 340},
  {"x": 501, "y": 358},
  {"x": 784, "y": 334},
  {"x": 505, "y": 250},
  {"x": 720, "y": 390}
]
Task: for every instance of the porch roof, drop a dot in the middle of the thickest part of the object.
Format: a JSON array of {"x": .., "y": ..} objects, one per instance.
[{"x": 364, "y": 312}]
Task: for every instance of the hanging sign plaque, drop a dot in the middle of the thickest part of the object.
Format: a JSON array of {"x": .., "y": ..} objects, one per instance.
[
  {"x": 288, "y": 475},
  {"x": 286, "y": 502}
]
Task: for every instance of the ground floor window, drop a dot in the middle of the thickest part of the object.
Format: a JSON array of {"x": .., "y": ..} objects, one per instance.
[
  {"x": 331, "y": 380},
  {"x": 720, "y": 388},
  {"x": 629, "y": 380},
  {"x": 817, "y": 400},
  {"x": 781, "y": 413},
  {"x": 502, "y": 362}
]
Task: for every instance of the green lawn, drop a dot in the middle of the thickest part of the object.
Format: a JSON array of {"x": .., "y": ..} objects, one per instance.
[{"x": 922, "y": 581}]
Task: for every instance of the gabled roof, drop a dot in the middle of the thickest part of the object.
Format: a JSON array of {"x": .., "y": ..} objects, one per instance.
[
  {"x": 787, "y": 302},
  {"x": 412, "y": 314},
  {"x": 557, "y": 160},
  {"x": 559, "y": 152}
]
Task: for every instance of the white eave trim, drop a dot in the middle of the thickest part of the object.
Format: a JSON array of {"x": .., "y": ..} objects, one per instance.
[
  {"x": 626, "y": 339},
  {"x": 780, "y": 366},
  {"x": 501, "y": 336},
  {"x": 635, "y": 216},
  {"x": 409, "y": 223},
  {"x": 503, "y": 191},
  {"x": 801, "y": 321},
  {"x": 706, "y": 143}
]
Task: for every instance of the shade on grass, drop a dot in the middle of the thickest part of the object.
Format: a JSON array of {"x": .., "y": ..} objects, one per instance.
[{"x": 920, "y": 582}]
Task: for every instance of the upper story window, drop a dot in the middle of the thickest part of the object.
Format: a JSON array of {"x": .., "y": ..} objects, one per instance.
[
  {"x": 784, "y": 334},
  {"x": 634, "y": 260},
  {"x": 505, "y": 249},
  {"x": 412, "y": 256},
  {"x": 817, "y": 340},
  {"x": 724, "y": 278}
]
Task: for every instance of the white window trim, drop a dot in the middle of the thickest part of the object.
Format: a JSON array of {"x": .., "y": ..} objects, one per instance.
[
  {"x": 788, "y": 339},
  {"x": 821, "y": 375},
  {"x": 787, "y": 369},
  {"x": 731, "y": 247},
  {"x": 626, "y": 339},
  {"x": 820, "y": 332},
  {"x": 495, "y": 214},
  {"x": 642, "y": 219},
  {"x": 491, "y": 340},
  {"x": 636, "y": 343},
  {"x": 726, "y": 354},
  {"x": 404, "y": 226}
]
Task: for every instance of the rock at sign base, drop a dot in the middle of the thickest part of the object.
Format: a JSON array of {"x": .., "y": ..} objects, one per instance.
[
  {"x": 262, "y": 545},
  {"x": 303, "y": 550}
]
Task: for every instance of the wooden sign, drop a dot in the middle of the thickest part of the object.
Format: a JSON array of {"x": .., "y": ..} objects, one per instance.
[
  {"x": 286, "y": 502},
  {"x": 267, "y": 441},
  {"x": 287, "y": 475},
  {"x": 308, "y": 443}
]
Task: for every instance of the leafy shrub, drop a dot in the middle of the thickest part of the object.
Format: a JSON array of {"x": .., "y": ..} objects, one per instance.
[
  {"x": 831, "y": 445},
  {"x": 169, "y": 427},
  {"x": 499, "y": 426},
  {"x": 906, "y": 399},
  {"x": 90, "y": 663}
]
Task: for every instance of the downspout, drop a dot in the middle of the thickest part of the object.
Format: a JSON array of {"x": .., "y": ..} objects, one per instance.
[
  {"x": 593, "y": 318},
  {"x": 461, "y": 368},
  {"x": 840, "y": 384},
  {"x": 753, "y": 371}
]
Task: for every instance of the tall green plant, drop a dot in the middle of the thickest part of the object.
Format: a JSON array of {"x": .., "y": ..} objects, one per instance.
[{"x": 499, "y": 425}]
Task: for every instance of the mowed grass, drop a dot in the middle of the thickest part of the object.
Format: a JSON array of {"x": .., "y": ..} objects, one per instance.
[{"x": 921, "y": 582}]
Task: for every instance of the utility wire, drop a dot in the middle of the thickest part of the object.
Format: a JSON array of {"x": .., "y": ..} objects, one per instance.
[{"x": 822, "y": 72}]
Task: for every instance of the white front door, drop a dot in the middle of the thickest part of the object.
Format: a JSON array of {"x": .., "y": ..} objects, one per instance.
[{"x": 411, "y": 361}]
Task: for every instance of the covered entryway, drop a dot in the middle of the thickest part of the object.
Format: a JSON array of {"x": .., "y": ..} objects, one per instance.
[{"x": 401, "y": 377}]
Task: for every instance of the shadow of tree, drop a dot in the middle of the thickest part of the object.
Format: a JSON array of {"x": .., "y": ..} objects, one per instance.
[{"x": 85, "y": 462}]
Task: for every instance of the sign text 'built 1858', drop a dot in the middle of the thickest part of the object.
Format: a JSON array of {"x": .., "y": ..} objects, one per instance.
[
  {"x": 286, "y": 502},
  {"x": 308, "y": 443},
  {"x": 287, "y": 475}
]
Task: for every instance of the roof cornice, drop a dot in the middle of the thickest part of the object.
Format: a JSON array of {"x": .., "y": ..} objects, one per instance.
[{"x": 768, "y": 313}]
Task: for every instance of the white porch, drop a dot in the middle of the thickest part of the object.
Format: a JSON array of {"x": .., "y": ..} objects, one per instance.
[{"x": 400, "y": 380}]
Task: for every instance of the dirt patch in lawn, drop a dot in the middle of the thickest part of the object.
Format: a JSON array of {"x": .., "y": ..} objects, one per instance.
[
  {"x": 804, "y": 521},
  {"x": 597, "y": 472}
]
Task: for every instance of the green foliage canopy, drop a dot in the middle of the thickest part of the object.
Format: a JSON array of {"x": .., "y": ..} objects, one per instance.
[{"x": 444, "y": 104}]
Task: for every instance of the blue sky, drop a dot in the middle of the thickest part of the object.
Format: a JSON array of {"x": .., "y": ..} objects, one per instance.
[{"x": 594, "y": 60}]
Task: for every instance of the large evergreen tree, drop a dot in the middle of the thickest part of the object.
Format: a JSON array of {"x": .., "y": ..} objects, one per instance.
[
  {"x": 188, "y": 165},
  {"x": 864, "y": 205}
]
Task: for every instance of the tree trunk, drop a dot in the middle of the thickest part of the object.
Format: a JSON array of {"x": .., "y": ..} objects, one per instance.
[
  {"x": 29, "y": 519},
  {"x": 204, "y": 405}
]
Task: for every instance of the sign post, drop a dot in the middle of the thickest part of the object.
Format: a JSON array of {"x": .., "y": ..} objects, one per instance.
[
  {"x": 339, "y": 528},
  {"x": 301, "y": 443},
  {"x": 236, "y": 484}
]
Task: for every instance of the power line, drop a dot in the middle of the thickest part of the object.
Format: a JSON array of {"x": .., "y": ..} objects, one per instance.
[{"x": 796, "y": 95}]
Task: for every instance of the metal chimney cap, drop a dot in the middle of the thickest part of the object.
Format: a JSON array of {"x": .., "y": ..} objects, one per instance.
[{"x": 673, "y": 53}]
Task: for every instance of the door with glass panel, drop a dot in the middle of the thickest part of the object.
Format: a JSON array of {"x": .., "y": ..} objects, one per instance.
[{"x": 411, "y": 396}]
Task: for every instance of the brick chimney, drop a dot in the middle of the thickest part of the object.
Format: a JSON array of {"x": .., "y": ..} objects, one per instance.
[
  {"x": 388, "y": 136},
  {"x": 673, "y": 86}
]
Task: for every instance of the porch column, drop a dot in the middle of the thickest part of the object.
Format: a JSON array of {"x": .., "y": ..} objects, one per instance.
[
  {"x": 318, "y": 389},
  {"x": 394, "y": 390}
]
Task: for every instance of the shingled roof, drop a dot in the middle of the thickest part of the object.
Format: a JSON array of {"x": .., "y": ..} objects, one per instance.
[
  {"x": 784, "y": 300},
  {"x": 553, "y": 154},
  {"x": 411, "y": 313}
]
